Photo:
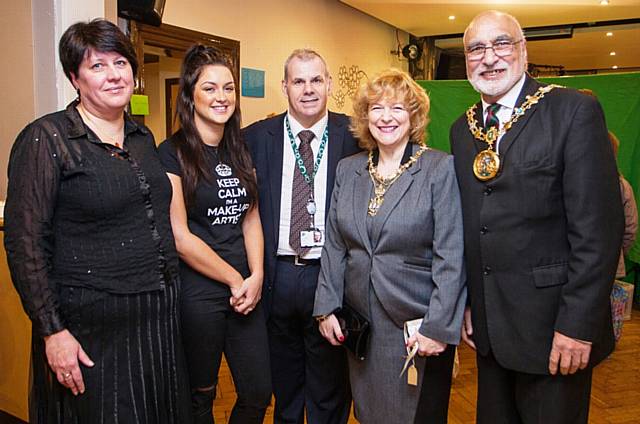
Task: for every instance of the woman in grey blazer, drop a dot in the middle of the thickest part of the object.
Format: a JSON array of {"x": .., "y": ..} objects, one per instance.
[{"x": 394, "y": 253}]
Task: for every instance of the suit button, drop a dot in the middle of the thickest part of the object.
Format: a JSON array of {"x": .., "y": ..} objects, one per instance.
[
  {"x": 487, "y": 270},
  {"x": 484, "y": 230},
  {"x": 487, "y": 191}
]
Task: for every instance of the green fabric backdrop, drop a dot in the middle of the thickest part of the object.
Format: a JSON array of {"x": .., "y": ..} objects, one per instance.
[{"x": 619, "y": 95}]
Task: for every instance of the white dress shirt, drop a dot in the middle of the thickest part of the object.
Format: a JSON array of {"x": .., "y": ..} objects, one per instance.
[
  {"x": 507, "y": 103},
  {"x": 319, "y": 186}
]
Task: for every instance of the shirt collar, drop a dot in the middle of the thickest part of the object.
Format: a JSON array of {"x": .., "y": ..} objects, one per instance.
[
  {"x": 510, "y": 98},
  {"x": 317, "y": 128},
  {"x": 77, "y": 127}
]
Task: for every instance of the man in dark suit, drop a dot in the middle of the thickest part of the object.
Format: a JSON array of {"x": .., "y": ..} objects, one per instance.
[
  {"x": 543, "y": 225},
  {"x": 295, "y": 155}
]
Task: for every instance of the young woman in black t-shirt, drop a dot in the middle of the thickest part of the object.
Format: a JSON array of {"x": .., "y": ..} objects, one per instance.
[{"x": 216, "y": 224}]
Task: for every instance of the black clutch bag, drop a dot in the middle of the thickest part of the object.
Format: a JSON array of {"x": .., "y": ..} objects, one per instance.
[{"x": 355, "y": 329}]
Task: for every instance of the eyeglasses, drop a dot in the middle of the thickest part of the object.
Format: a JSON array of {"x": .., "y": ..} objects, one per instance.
[{"x": 500, "y": 48}]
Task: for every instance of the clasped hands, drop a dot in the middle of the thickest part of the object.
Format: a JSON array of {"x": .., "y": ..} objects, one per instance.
[
  {"x": 567, "y": 354},
  {"x": 246, "y": 295}
]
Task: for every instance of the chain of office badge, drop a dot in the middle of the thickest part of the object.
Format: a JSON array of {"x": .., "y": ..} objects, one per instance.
[{"x": 487, "y": 163}]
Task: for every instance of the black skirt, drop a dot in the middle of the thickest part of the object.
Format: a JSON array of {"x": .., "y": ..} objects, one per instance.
[{"x": 139, "y": 374}]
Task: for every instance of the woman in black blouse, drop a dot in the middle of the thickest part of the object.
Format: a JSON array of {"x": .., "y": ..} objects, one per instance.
[
  {"x": 91, "y": 251},
  {"x": 216, "y": 223}
]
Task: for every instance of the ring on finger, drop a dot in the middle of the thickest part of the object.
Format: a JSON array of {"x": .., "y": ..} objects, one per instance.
[{"x": 66, "y": 375}]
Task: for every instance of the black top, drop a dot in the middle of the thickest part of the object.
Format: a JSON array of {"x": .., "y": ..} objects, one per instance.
[
  {"x": 216, "y": 217},
  {"x": 83, "y": 213}
]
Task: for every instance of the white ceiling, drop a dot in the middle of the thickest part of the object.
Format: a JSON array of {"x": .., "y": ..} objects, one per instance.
[{"x": 589, "y": 48}]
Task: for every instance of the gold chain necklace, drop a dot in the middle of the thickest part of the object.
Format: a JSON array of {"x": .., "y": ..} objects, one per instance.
[
  {"x": 115, "y": 139},
  {"x": 487, "y": 163},
  {"x": 382, "y": 184}
]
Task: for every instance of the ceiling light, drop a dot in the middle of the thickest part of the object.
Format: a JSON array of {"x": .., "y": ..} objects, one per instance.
[
  {"x": 609, "y": 34},
  {"x": 451, "y": 17},
  {"x": 612, "y": 54},
  {"x": 604, "y": 2},
  {"x": 614, "y": 67}
]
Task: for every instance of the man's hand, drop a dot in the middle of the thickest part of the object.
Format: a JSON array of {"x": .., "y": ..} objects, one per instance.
[
  {"x": 467, "y": 328},
  {"x": 570, "y": 354}
]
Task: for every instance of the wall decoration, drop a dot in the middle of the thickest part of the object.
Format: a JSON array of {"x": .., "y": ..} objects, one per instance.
[
  {"x": 348, "y": 82},
  {"x": 252, "y": 82}
]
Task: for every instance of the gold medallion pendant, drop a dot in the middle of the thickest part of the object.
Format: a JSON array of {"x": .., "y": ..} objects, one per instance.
[{"x": 486, "y": 165}]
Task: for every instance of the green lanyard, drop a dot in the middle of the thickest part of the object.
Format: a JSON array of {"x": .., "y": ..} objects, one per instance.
[{"x": 303, "y": 169}]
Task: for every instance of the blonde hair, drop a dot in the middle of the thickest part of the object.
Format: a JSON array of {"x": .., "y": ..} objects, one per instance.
[
  {"x": 390, "y": 84},
  {"x": 615, "y": 143}
]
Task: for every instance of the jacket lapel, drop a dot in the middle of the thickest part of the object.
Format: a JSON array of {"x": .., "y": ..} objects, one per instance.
[
  {"x": 530, "y": 87},
  {"x": 334, "y": 154},
  {"x": 361, "y": 193},
  {"x": 275, "y": 137}
]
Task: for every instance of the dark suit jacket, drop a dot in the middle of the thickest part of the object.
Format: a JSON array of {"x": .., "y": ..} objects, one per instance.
[
  {"x": 542, "y": 238},
  {"x": 265, "y": 140}
]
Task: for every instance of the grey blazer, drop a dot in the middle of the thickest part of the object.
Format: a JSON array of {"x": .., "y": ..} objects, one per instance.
[{"x": 414, "y": 257}]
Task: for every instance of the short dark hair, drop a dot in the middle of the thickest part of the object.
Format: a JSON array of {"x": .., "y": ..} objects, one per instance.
[{"x": 98, "y": 34}]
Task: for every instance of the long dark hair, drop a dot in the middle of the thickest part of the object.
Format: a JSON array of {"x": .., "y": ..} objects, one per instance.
[{"x": 232, "y": 149}]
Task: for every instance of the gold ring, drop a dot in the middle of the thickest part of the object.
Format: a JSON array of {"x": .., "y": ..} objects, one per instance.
[{"x": 66, "y": 375}]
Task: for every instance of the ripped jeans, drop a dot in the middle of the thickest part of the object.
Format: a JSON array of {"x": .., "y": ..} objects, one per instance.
[{"x": 211, "y": 327}]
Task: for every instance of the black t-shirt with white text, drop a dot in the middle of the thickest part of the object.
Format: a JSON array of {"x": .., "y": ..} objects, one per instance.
[{"x": 216, "y": 215}]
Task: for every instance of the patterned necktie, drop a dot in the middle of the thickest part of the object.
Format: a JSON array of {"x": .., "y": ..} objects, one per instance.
[
  {"x": 492, "y": 117},
  {"x": 301, "y": 194}
]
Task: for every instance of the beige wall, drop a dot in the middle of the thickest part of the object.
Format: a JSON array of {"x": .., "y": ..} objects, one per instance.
[
  {"x": 269, "y": 30},
  {"x": 17, "y": 103},
  {"x": 155, "y": 76},
  {"x": 17, "y": 108}
]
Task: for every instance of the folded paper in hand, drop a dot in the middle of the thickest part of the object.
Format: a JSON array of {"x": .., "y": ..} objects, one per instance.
[{"x": 410, "y": 328}]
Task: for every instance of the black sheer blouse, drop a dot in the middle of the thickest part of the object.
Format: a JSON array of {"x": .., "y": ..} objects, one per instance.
[{"x": 80, "y": 212}]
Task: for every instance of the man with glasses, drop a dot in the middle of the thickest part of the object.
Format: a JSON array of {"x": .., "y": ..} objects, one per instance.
[{"x": 543, "y": 226}]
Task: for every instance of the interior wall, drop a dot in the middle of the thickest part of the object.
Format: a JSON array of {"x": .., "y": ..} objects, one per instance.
[
  {"x": 17, "y": 108},
  {"x": 269, "y": 31},
  {"x": 155, "y": 76}
]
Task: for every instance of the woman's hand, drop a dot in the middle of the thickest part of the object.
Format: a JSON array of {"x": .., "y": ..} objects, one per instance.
[
  {"x": 245, "y": 298},
  {"x": 63, "y": 352},
  {"x": 426, "y": 346},
  {"x": 330, "y": 330}
]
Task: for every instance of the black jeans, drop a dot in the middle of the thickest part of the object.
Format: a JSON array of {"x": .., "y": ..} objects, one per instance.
[{"x": 211, "y": 327}]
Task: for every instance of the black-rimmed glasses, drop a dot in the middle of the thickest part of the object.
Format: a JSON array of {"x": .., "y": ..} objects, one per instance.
[{"x": 501, "y": 48}]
